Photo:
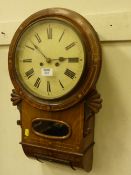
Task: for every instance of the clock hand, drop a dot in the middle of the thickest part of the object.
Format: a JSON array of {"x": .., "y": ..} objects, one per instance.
[
  {"x": 59, "y": 59},
  {"x": 48, "y": 60},
  {"x": 70, "y": 59},
  {"x": 62, "y": 59}
]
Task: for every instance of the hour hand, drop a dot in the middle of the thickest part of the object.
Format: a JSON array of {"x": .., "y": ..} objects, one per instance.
[
  {"x": 62, "y": 59},
  {"x": 70, "y": 59}
]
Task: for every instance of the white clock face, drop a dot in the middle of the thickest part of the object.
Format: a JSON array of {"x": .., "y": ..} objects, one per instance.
[{"x": 49, "y": 58}]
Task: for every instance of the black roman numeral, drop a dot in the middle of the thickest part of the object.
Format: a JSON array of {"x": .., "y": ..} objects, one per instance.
[
  {"x": 69, "y": 73},
  {"x": 70, "y": 46},
  {"x": 48, "y": 87},
  {"x": 61, "y": 84},
  {"x": 29, "y": 47},
  {"x": 37, "y": 83},
  {"x": 61, "y": 36},
  {"x": 27, "y": 60},
  {"x": 73, "y": 60},
  {"x": 38, "y": 37},
  {"x": 29, "y": 73},
  {"x": 49, "y": 32}
]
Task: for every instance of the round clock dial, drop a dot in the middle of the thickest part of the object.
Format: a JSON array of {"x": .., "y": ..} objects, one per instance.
[{"x": 50, "y": 58}]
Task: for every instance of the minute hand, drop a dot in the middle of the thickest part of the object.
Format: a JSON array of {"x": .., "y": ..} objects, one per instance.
[{"x": 40, "y": 51}]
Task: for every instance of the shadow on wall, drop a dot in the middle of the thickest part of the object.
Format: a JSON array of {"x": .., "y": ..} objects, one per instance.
[{"x": 112, "y": 123}]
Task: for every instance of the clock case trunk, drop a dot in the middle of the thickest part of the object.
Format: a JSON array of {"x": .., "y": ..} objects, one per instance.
[
  {"x": 78, "y": 110},
  {"x": 77, "y": 149}
]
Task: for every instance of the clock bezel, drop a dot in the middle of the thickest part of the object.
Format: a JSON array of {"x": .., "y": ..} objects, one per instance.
[
  {"x": 92, "y": 46},
  {"x": 57, "y": 20}
]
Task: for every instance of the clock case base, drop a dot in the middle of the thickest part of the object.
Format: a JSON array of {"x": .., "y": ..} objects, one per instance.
[
  {"x": 77, "y": 149},
  {"x": 73, "y": 159}
]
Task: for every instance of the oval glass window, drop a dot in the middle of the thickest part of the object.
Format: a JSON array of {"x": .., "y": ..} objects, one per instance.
[{"x": 51, "y": 128}]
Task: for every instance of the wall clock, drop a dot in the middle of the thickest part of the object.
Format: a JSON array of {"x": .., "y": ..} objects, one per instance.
[{"x": 54, "y": 64}]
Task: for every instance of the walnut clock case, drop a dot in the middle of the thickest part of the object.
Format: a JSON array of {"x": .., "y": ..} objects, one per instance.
[{"x": 54, "y": 63}]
